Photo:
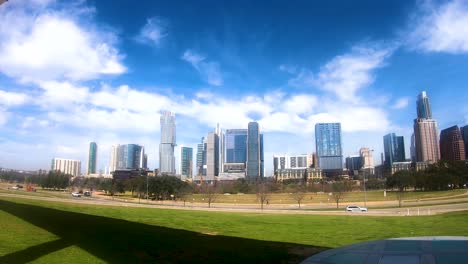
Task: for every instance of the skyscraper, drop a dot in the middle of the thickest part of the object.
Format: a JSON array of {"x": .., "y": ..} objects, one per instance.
[
  {"x": 394, "y": 149},
  {"x": 464, "y": 132},
  {"x": 168, "y": 142},
  {"x": 201, "y": 158},
  {"x": 92, "y": 158},
  {"x": 328, "y": 145},
  {"x": 413, "y": 148},
  {"x": 367, "y": 158},
  {"x": 221, "y": 148},
  {"x": 425, "y": 132},
  {"x": 452, "y": 147},
  {"x": 186, "y": 162},
  {"x": 113, "y": 158},
  {"x": 212, "y": 156},
  {"x": 236, "y": 145},
  {"x": 254, "y": 164},
  {"x": 423, "y": 106},
  {"x": 130, "y": 156}
]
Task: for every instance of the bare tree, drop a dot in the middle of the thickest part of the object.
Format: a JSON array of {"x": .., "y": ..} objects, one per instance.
[
  {"x": 339, "y": 191},
  {"x": 209, "y": 193},
  {"x": 184, "y": 193},
  {"x": 299, "y": 193},
  {"x": 263, "y": 193}
]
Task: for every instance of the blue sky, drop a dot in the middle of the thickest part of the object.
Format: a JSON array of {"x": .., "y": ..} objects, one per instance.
[{"x": 102, "y": 71}]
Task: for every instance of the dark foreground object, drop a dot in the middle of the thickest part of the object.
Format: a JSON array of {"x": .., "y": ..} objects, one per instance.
[
  {"x": 430, "y": 250},
  {"x": 120, "y": 241}
]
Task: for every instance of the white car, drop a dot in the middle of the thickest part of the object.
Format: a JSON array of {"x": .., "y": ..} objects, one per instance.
[
  {"x": 76, "y": 194},
  {"x": 355, "y": 208}
]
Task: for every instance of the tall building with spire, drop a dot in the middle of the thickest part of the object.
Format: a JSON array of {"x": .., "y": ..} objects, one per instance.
[
  {"x": 425, "y": 132},
  {"x": 92, "y": 158},
  {"x": 167, "y": 144}
]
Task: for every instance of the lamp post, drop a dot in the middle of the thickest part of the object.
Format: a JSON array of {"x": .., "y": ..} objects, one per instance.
[{"x": 147, "y": 188}]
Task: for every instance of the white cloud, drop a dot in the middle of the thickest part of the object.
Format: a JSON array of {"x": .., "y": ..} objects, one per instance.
[
  {"x": 49, "y": 45},
  {"x": 346, "y": 74},
  {"x": 4, "y": 115},
  {"x": 401, "y": 103},
  {"x": 209, "y": 70},
  {"x": 441, "y": 28},
  {"x": 12, "y": 98},
  {"x": 288, "y": 68},
  {"x": 153, "y": 31}
]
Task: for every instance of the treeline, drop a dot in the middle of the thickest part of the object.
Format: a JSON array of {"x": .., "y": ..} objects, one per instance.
[
  {"x": 52, "y": 180},
  {"x": 443, "y": 175}
]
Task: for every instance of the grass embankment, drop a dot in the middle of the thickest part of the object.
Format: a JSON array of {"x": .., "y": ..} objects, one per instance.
[{"x": 52, "y": 232}]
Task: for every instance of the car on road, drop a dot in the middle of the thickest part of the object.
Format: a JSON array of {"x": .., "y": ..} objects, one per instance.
[
  {"x": 76, "y": 194},
  {"x": 355, "y": 208}
]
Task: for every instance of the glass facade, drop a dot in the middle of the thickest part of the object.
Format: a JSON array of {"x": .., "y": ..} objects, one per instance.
[
  {"x": 236, "y": 145},
  {"x": 464, "y": 132},
  {"x": 423, "y": 106},
  {"x": 253, "y": 153},
  {"x": 129, "y": 156},
  {"x": 394, "y": 149},
  {"x": 92, "y": 158},
  {"x": 328, "y": 144},
  {"x": 186, "y": 161},
  {"x": 168, "y": 142},
  {"x": 201, "y": 157}
]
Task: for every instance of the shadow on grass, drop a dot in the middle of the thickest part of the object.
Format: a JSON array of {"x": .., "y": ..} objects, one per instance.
[{"x": 120, "y": 241}]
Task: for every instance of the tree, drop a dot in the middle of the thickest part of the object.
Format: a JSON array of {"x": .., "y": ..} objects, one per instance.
[
  {"x": 339, "y": 190},
  {"x": 209, "y": 193},
  {"x": 400, "y": 180},
  {"x": 263, "y": 193},
  {"x": 184, "y": 193},
  {"x": 299, "y": 193}
]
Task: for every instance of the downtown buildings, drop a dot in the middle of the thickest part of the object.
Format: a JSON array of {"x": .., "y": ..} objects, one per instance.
[
  {"x": 394, "y": 149},
  {"x": 128, "y": 157},
  {"x": 186, "y": 163},
  {"x": 92, "y": 158},
  {"x": 231, "y": 154},
  {"x": 452, "y": 145}
]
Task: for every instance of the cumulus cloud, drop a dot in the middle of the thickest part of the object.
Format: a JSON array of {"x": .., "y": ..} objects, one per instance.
[
  {"x": 346, "y": 74},
  {"x": 442, "y": 28},
  {"x": 153, "y": 31},
  {"x": 209, "y": 70},
  {"x": 12, "y": 98},
  {"x": 48, "y": 44},
  {"x": 401, "y": 103}
]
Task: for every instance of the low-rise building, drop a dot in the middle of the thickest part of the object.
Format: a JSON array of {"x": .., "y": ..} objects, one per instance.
[{"x": 304, "y": 174}]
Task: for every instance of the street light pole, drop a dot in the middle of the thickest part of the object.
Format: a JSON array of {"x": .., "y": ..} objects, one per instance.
[{"x": 365, "y": 193}]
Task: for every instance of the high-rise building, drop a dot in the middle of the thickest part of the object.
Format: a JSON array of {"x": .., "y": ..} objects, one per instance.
[
  {"x": 413, "y": 148},
  {"x": 130, "y": 156},
  {"x": 221, "y": 149},
  {"x": 452, "y": 147},
  {"x": 425, "y": 132},
  {"x": 353, "y": 164},
  {"x": 113, "y": 158},
  {"x": 168, "y": 142},
  {"x": 328, "y": 144},
  {"x": 394, "y": 149},
  {"x": 92, "y": 158},
  {"x": 423, "y": 106},
  {"x": 290, "y": 161},
  {"x": 67, "y": 166},
  {"x": 212, "y": 156},
  {"x": 236, "y": 145},
  {"x": 201, "y": 158},
  {"x": 254, "y": 164},
  {"x": 367, "y": 158},
  {"x": 464, "y": 132},
  {"x": 186, "y": 163}
]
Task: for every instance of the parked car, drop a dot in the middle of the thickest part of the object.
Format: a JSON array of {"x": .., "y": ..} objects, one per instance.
[
  {"x": 76, "y": 194},
  {"x": 355, "y": 208},
  {"x": 87, "y": 193}
]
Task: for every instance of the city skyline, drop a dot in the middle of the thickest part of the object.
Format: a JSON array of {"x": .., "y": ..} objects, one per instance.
[{"x": 105, "y": 79}]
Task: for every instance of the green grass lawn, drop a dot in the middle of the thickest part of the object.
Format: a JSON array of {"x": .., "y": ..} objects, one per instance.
[{"x": 52, "y": 232}]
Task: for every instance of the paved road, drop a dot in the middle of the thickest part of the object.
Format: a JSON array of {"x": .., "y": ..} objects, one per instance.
[{"x": 284, "y": 209}]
